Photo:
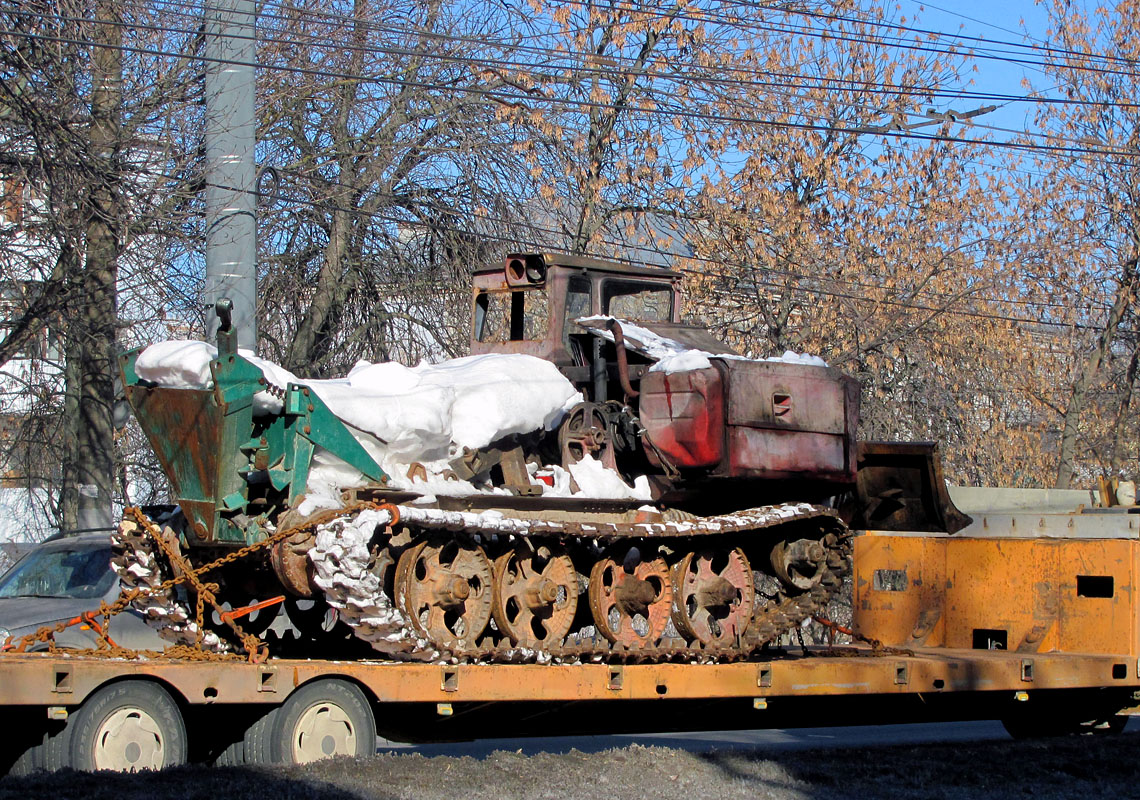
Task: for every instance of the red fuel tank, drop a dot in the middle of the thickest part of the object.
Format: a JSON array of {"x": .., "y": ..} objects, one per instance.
[
  {"x": 683, "y": 415},
  {"x": 754, "y": 419}
]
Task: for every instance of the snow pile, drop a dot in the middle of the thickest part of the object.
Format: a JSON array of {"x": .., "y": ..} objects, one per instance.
[
  {"x": 401, "y": 415},
  {"x": 673, "y": 356},
  {"x": 699, "y": 359},
  {"x": 683, "y": 362},
  {"x": 329, "y": 476},
  {"x": 588, "y": 478},
  {"x": 595, "y": 480},
  {"x": 185, "y": 364},
  {"x": 792, "y": 357},
  {"x": 417, "y": 413},
  {"x": 643, "y": 340},
  {"x": 420, "y": 412}
]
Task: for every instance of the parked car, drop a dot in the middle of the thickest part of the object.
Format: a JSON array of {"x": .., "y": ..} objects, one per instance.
[{"x": 61, "y": 579}]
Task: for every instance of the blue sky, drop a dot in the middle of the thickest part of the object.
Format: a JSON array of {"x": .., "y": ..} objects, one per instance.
[{"x": 996, "y": 20}]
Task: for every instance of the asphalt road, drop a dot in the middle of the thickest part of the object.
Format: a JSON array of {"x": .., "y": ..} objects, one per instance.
[
  {"x": 950, "y": 761},
  {"x": 766, "y": 741}
]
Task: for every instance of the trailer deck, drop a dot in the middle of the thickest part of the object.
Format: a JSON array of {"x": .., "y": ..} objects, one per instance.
[{"x": 44, "y": 679}]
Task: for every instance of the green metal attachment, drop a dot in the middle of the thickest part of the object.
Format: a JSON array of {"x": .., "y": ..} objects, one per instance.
[{"x": 229, "y": 470}]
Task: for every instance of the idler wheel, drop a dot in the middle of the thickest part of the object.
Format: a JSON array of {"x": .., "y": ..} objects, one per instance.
[
  {"x": 585, "y": 432},
  {"x": 799, "y": 564},
  {"x": 536, "y": 595},
  {"x": 290, "y": 561},
  {"x": 631, "y": 600},
  {"x": 445, "y": 588},
  {"x": 713, "y": 595}
]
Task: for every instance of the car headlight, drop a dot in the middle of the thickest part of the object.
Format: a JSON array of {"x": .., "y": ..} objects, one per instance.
[{"x": 5, "y": 635}]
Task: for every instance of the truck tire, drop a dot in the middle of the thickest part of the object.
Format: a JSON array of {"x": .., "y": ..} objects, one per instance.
[
  {"x": 46, "y": 751},
  {"x": 127, "y": 727},
  {"x": 254, "y": 746},
  {"x": 323, "y": 719}
]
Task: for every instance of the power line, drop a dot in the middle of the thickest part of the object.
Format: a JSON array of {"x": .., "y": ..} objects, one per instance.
[
  {"x": 578, "y": 67},
  {"x": 894, "y": 89},
  {"x": 522, "y": 99},
  {"x": 897, "y": 42},
  {"x": 705, "y": 273},
  {"x": 773, "y": 87},
  {"x": 1011, "y": 98}
]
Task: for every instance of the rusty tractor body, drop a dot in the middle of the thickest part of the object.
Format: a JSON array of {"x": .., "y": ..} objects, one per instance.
[
  {"x": 768, "y": 430},
  {"x": 734, "y": 455},
  {"x": 733, "y": 430}
]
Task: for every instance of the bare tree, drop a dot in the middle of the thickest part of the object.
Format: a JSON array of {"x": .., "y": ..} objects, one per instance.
[
  {"x": 88, "y": 170},
  {"x": 395, "y": 175},
  {"x": 1088, "y": 239}
]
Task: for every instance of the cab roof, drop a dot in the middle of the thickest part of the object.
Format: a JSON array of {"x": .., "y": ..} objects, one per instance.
[{"x": 560, "y": 260}]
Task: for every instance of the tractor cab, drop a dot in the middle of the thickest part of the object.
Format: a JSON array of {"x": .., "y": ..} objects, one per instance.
[{"x": 532, "y": 305}]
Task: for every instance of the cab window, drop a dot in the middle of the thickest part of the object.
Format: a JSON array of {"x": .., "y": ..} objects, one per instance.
[
  {"x": 577, "y": 304},
  {"x": 651, "y": 302},
  {"x": 511, "y": 316}
]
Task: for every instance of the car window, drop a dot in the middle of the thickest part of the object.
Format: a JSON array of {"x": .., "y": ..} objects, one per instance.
[
  {"x": 577, "y": 305},
  {"x": 80, "y": 572}
]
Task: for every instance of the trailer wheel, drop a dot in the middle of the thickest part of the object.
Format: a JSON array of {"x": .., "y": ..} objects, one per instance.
[
  {"x": 254, "y": 745},
  {"x": 127, "y": 727},
  {"x": 44, "y": 751},
  {"x": 324, "y": 719}
]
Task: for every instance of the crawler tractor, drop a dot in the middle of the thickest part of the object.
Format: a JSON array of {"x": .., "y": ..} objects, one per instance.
[{"x": 752, "y": 468}]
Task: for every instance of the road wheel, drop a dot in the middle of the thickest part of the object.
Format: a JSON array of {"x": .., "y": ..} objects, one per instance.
[
  {"x": 323, "y": 719},
  {"x": 127, "y": 727}
]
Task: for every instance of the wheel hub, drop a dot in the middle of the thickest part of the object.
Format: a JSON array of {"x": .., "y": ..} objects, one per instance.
[
  {"x": 324, "y": 730},
  {"x": 800, "y": 563},
  {"x": 630, "y": 606},
  {"x": 445, "y": 588},
  {"x": 129, "y": 740},
  {"x": 714, "y": 596}
]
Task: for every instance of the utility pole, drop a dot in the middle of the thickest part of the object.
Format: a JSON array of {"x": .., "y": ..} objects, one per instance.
[
  {"x": 231, "y": 224},
  {"x": 94, "y": 342}
]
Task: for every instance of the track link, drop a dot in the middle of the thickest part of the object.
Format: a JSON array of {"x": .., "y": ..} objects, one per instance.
[
  {"x": 364, "y": 588},
  {"x": 355, "y": 559}
]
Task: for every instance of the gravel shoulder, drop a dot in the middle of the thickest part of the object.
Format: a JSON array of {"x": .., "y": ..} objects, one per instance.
[{"x": 1082, "y": 767}]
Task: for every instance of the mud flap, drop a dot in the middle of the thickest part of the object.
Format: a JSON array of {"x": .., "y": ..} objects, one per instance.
[{"x": 899, "y": 487}]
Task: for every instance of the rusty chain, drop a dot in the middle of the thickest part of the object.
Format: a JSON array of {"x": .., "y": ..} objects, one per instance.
[
  {"x": 877, "y": 647},
  {"x": 255, "y": 648}
]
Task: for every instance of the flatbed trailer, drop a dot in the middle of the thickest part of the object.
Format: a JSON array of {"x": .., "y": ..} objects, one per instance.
[
  {"x": 1031, "y": 619},
  {"x": 44, "y": 679}
]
